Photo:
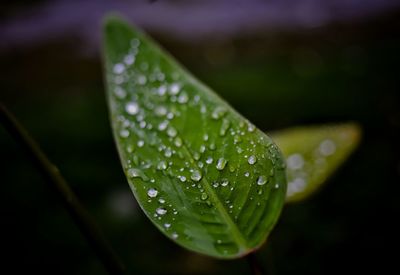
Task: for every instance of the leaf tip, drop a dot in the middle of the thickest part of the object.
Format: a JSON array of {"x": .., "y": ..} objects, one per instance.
[{"x": 354, "y": 131}]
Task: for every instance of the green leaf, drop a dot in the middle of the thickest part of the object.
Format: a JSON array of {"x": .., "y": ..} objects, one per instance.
[
  {"x": 313, "y": 154},
  {"x": 205, "y": 176}
]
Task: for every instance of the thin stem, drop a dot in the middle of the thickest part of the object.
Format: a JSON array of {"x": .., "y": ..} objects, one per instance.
[
  {"x": 55, "y": 181},
  {"x": 255, "y": 266}
]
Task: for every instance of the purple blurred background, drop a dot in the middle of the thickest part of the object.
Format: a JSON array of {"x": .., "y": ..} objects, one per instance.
[{"x": 188, "y": 20}]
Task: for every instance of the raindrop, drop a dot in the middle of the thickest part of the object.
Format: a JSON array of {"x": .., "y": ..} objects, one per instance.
[
  {"x": 247, "y": 174},
  {"x": 119, "y": 79},
  {"x": 174, "y": 88},
  {"x": 161, "y": 211},
  {"x": 237, "y": 139},
  {"x": 271, "y": 172},
  {"x": 174, "y": 235},
  {"x": 162, "y": 90},
  {"x": 196, "y": 156},
  {"x": 205, "y": 137},
  {"x": 129, "y": 148},
  {"x": 327, "y": 147},
  {"x": 119, "y": 92},
  {"x": 221, "y": 163},
  {"x": 140, "y": 117},
  {"x": 215, "y": 184},
  {"x": 182, "y": 178},
  {"x": 297, "y": 185},
  {"x": 295, "y": 161},
  {"x": 140, "y": 143},
  {"x": 224, "y": 127},
  {"x": 167, "y": 225},
  {"x": 135, "y": 159},
  {"x": 209, "y": 160},
  {"x": 124, "y": 133},
  {"x": 204, "y": 196},
  {"x": 132, "y": 108},
  {"x": 168, "y": 153},
  {"x": 129, "y": 59},
  {"x": 119, "y": 68},
  {"x": 136, "y": 173},
  {"x": 183, "y": 98},
  {"x": 172, "y": 132},
  {"x": 162, "y": 165},
  {"x": 261, "y": 180},
  {"x": 224, "y": 182},
  {"x": 161, "y": 200},
  {"x": 251, "y": 127},
  {"x": 252, "y": 159},
  {"x": 170, "y": 115},
  {"x": 160, "y": 111},
  {"x": 135, "y": 42},
  {"x": 163, "y": 125},
  {"x": 152, "y": 193},
  {"x": 160, "y": 76},
  {"x": 196, "y": 175},
  {"x": 218, "y": 112},
  {"x": 178, "y": 142}
]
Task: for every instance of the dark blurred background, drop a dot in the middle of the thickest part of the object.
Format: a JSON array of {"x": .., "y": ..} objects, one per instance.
[{"x": 279, "y": 63}]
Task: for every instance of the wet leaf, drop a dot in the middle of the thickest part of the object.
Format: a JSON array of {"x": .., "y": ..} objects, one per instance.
[
  {"x": 313, "y": 154},
  {"x": 204, "y": 175}
]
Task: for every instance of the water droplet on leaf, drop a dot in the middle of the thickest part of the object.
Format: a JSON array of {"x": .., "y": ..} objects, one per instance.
[
  {"x": 261, "y": 180},
  {"x": 161, "y": 211},
  {"x": 152, "y": 193},
  {"x": 224, "y": 182},
  {"x": 162, "y": 165},
  {"x": 119, "y": 68},
  {"x": 252, "y": 159},
  {"x": 172, "y": 132},
  {"x": 221, "y": 163},
  {"x": 124, "y": 133},
  {"x": 224, "y": 127},
  {"x": 167, "y": 225},
  {"x": 196, "y": 175},
  {"x": 327, "y": 147},
  {"x": 218, "y": 112},
  {"x": 295, "y": 162},
  {"x": 132, "y": 108}
]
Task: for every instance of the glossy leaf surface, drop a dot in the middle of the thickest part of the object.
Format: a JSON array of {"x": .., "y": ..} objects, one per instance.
[
  {"x": 313, "y": 154},
  {"x": 204, "y": 175}
]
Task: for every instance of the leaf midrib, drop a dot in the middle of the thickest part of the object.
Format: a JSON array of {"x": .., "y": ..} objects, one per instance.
[{"x": 222, "y": 210}]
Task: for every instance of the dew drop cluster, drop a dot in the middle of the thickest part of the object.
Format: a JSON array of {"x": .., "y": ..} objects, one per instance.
[{"x": 182, "y": 143}]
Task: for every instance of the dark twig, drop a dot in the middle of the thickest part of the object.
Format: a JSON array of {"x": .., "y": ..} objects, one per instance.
[
  {"x": 255, "y": 266},
  {"x": 55, "y": 180}
]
